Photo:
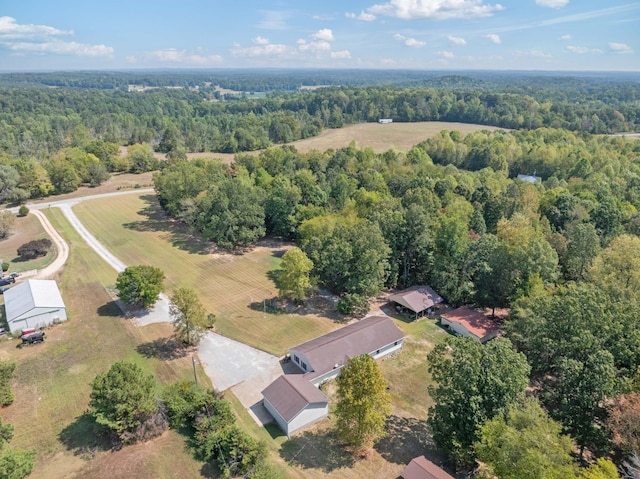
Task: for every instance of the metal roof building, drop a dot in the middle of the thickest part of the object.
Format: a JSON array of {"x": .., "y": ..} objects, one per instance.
[{"x": 33, "y": 304}]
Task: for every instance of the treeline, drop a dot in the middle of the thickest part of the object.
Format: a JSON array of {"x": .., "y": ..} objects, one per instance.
[
  {"x": 37, "y": 122},
  {"x": 562, "y": 252}
]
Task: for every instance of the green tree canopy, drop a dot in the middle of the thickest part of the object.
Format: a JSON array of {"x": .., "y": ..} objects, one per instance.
[
  {"x": 293, "y": 278},
  {"x": 363, "y": 403},
  {"x": 189, "y": 316},
  {"x": 140, "y": 285},
  {"x": 123, "y": 398},
  {"x": 473, "y": 383}
]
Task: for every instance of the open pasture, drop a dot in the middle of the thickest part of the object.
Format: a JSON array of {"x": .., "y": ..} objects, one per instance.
[{"x": 235, "y": 287}]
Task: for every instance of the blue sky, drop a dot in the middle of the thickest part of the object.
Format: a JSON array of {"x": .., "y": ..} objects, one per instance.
[{"x": 416, "y": 34}]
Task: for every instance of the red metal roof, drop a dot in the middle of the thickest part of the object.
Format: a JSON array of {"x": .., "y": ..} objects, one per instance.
[
  {"x": 422, "y": 468},
  {"x": 474, "y": 321}
]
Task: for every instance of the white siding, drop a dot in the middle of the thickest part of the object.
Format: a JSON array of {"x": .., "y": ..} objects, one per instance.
[
  {"x": 310, "y": 414},
  {"x": 37, "y": 318},
  {"x": 282, "y": 424},
  {"x": 301, "y": 361},
  {"x": 458, "y": 329}
]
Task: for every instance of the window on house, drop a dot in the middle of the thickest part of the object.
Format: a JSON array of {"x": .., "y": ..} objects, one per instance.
[
  {"x": 304, "y": 365},
  {"x": 295, "y": 358},
  {"x": 396, "y": 343}
]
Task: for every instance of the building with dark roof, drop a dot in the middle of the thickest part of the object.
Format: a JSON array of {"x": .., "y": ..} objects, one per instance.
[
  {"x": 321, "y": 359},
  {"x": 294, "y": 402},
  {"x": 422, "y": 468},
  {"x": 471, "y": 323},
  {"x": 417, "y": 299}
]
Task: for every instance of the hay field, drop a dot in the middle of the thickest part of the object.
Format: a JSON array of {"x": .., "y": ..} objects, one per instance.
[{"x": 232, "y": 286}]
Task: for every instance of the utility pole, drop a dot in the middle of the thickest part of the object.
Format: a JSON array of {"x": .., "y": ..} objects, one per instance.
[{"x": 195, "y": 374}]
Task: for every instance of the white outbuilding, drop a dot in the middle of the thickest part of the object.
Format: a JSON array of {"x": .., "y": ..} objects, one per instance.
[{"x": 33, "y": 304}]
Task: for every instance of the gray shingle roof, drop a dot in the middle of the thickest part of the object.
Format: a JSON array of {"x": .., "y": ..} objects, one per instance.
[
  {"x": 417, "y": 298},
  {"x": 291, "y": 393}
]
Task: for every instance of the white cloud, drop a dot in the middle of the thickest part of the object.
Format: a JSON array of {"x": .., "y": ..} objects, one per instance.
[
  {"x": 261, "y": 41},
  {"x": 273, "y": 20},
  {"x": 566, "y": 37},
  {"x": 260, "y": 50},
  {"x": 173, "y": 55},
  {"x": 62, "y": 48},
  {"x": 494, "y": 38},
  {"x": 620, "y": 48},
  {"x": 457, "y": 40},
  {"x": 410, "y": 42},
  {"x": 552, "y": 3},
  {"x": 436, "y": 9},
  {"x": 341, "y": 55},
  {"x": 445, "y": 54},
  {"x": 317, "y": 46},
  {"x": 532, "y": 53},
  {"x": 43, "y": 39},
  {"x": 363, "y": 17},
  {"x": 582, "y": 50},
  {"x": 324, "y": 34},
  {"x": 10, "y": 30}
]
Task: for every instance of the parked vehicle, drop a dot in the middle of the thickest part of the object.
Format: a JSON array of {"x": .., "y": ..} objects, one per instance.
[
  {"x": 14, "y": 275},
  {"x": 33, "y": 338},
  {"x": 7, "y": 280},
  {"x": 27, "y": 331},
  {"x": 2, "y": 290}
]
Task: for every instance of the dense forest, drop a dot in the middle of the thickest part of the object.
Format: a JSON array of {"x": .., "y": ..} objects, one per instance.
[{"x": 541, "y": 218}]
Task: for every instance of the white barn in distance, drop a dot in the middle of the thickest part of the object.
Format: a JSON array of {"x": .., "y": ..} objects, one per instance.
[{"x": 34, "y": 303}]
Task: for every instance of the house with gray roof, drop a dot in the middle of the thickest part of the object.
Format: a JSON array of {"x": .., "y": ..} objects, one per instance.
[
  {"x": 294, "y": 402},
  {"x": 422, "y": 468},
  {"x": 322, "y": 358},
  {"x": 33, "y": 304}
]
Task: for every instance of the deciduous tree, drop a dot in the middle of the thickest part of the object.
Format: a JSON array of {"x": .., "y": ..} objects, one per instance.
[
  {"x": 123, "y": 398},
  {"x": 189, "y": 316},
  {"x": 363, "y": 403},
  {"x": 140, "y": 285},
  {"x": 293, "y": 278}
]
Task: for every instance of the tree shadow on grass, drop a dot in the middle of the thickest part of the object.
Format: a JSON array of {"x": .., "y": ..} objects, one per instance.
[
  {"x": 85, "y": 437},
  {"x": 109, "y": 309},
  {"x": 407, "y": 437},
  {"x": 316, "y": 450},
  {"x": 157, "y": 220},
  {"x": 164, "y": 349}
]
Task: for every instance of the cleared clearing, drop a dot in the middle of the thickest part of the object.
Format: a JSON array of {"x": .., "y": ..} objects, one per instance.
[
  {"x": 52, "y": 382},
  {"x": 234, "y": 287}
]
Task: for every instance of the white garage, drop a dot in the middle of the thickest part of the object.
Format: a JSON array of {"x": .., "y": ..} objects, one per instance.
[{"x": 33, "y": 304}]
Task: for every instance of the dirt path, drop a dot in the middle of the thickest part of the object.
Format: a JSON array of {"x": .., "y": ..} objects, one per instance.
[{"x": 61, "y": 246}]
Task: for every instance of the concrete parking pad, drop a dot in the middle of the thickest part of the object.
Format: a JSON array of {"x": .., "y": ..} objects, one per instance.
[{"x": 228, "y": 362}]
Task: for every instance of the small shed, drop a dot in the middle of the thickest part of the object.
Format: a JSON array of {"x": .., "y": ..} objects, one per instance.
[
  {"x": 422, "y": 468},
  {"x": 384, "y": 121},
  {"x": 294, "y": 402},
  {"x": 33, "y": 304},
  {"x": 417, "y": 299},
  {"x": 530, "y": 178},
  {"x": 471, "y": 323}
]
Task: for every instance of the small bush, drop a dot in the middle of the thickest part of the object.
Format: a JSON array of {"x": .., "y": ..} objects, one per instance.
[
  {"x": 5, "y": 266},
  {"x": 23, "y": 210},
  {"x": 34, "y": 248},
  {"x": 6, "y": 375}
]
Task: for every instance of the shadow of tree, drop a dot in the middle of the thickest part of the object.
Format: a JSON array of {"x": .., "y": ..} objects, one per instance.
[
  {"x": 179, "y": 234},
  {"x": 407, "y": 437},
  {"x": 84, "y": 436},
  {"x": 316, "y": 450},
  {"x": 164, "y": 349},
  {"x": 109, "y": 309}
]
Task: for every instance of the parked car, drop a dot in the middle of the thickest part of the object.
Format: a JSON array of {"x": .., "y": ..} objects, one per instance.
[
  {"x": 14, "y": 275},
  {"x": 2, "y": 290},
  {"x": 7, "y": 280},
  {"x": 33, "y": 338}
]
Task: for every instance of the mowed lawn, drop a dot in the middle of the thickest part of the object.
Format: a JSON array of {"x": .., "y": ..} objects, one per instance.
[
  {"x": 52, "y": 381},
  {"x": 232, "y": 286},
  {"x": 25, "y": 229}
]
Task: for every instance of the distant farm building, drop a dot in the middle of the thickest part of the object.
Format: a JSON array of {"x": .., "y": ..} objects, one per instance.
[
  {"x": 471, "y": 323},
  {"x": 294, "y": 402},
  {"x": 34, "y": 304},
  {"x": 321, "y": 359},
  {"x": 384, "y": 121},
  {"x": 530, "y": 179},
  {"x": 422, "y": 468},
  {"x": 417, "y": 299}
]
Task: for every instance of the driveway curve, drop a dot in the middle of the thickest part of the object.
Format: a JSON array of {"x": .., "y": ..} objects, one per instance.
[{"x": 61, "y": 246}]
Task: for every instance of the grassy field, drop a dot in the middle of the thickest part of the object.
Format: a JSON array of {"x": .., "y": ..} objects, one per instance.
[
  {"x": 25, "y": 229},
  {"x": 52, "y": 382},
  {"x": 233, "y": 287}
]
